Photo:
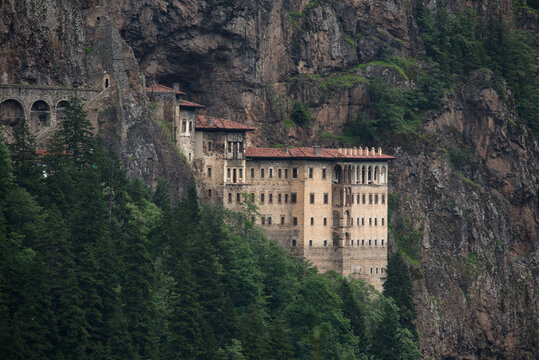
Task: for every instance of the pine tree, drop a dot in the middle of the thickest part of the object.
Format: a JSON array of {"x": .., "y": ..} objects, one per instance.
[
  {"x": 385, "y": 342},
  {"x": 27, "y": 170},
  {"x": 398, "y": 286},
  {"x": 354, "y": 312}
]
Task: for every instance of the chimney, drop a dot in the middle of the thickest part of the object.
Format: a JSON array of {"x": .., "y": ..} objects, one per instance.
[
  {"x": 176, "y": 86},
  {"x": 355, "y": 151},
  {"x": 380, "y": 151},
  {"x": 373, "y": 151},
  {"x": 317, "y": 151},
  {"x": 286, "y": 150},
  {"x": 360, "y": 151}
]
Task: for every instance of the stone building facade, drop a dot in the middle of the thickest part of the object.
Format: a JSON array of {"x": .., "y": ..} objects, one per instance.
[{"x": 326, "y": 205}]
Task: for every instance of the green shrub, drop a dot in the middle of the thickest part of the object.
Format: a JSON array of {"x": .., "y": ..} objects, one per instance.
[{"x": 301, "y": 115}]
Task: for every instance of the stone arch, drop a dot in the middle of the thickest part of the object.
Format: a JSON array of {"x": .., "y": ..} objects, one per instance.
[
  {"x": 383, "y": 175},
  {"x": 369, "y": 175},
  {"x": 349, "y": 174},
  {"x": 336, "y": 239},
  {"x": 11, "y": 112},
  {"x": 336, "y": 218},
  {"x": 347, "y": 237},
  {"x": 337, "y": 174},
  {"x": 106, "y": 81},
  {"x": 40, "y": 113},
  {"x": 61, "y": 108},
  {"x": 357, "y": 174},
  {"x": 348, "y": 218},
  {"x": 363, "y": 175},
  {"x": 376, "y": 175}
]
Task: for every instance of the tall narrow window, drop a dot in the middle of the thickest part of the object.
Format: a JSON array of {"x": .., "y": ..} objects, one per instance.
[
  {"x": 370, "y": 199},
  {"x": 294, "y": 173},
  {"x": 370, "y": 221},
  {"x": 209, "y": 146},
  {"x": 270, "y": 198},
  {"x": 228, "y": 173},
  {"x": 234, "y": 176},
  {"x": 230, "y": 146},
  {"x": 184, "y": 126},
  {"x": 357, "y": 199},
  {"x": 310, "y": 173},
  {"x": 376, "y": 199},
  {"x": 325, "y": 221},
  {"x": 279, "y": 198},
  {"x": 279, "y": 173},
  {"x": 209, "y": 193},
  {"x": 311, "y": 198},
  {"x": 383, "y": 199},
  {"x": 326, "y": 197},
  {"x": 312, "y": 221},
  {"x": 310, "y": 243},
  {"x": 363, "y": 199},
  {"x": 241, "y": 147},
  {"x": 286, "y": 198},
  {"x": 325, "y": 242},
  {"x": 229, "y": 198},
  {"x": 262, "y": 197},
  {"x": 375, "y": 221},
  {"x": 209, "y": 172},
  {"x": 286, "y": 173},
  {"x": 238, "y": 197},
  {"x": 269, "y": 220},
  {"x": 362, "y": 221},
  {"x": 293, "y": 198},
  {"x": 295, "y": 221},
  {"x": 270, "y": 173},
  {"x": 252, "y": 173},
  {"x": 241, "y": 173},
  {"x": 383, "y": 222},
  {"x": 263, "y": 220},
  {"x": 261, "y": 173},
  {"x": 323, "y": 173},
  {"x": 190, "y": 126},
  {"x": 282, "y": 220}
]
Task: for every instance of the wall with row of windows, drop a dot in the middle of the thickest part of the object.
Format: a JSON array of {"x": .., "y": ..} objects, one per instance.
[{"x": 352, "y": 243}]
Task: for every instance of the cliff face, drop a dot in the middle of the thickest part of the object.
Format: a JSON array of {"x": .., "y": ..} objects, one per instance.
[{"x": 466, "y": 185}]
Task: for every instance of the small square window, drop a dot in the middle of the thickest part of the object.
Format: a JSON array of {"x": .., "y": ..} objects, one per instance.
[
  {"x": 326, "y": 198},
  {"x": 294, "y": 173}
]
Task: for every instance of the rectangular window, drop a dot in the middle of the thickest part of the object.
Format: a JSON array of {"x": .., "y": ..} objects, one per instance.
[
  {"x": 370, "y": 199},
  {"x": 325, "y": 221},
  {"x": 382, "y": 221},
  {"x": 375, "y": 221},
  {"x": 286, "y": 198},
  {"x": 376, "y": 199},
  {"x": 234, "y": 178},
  {"x": 293, "y": 198},
  {"x": 383, "y": 199},
  {"x": 310, "y": 173},
  {"x": 326, "y": 198},
  {"x": 241, "y": 147},
  {"x": 357, "y": 222},
  {"x": 363, "y": 199},
  {"x": 261, "y": 173},
  {"x": 370, "y": 242},
  {"x": 375, "y": 242},
  {"x": 229, "y": 198},
  {"x": 209, "y": 193},
  {"x": 209, "y": 146},
  {"x": 286, "y": 173},
  {"x": 310, "y": 243},
  {"x": 269, "y": 220},
  {"x": 230, "y": 146},
  {"x": 270, "y": 199},
  {"x": 262, "y": 198},
  {"x": 209, "y": 172},
  {"x": 295, "y": 221},
  {"x": 279, "y": 173},
  {"x": 362, "y": 242},
  {"x": 252, "y": 197},
  {"x": 282, "y": 220},
  {"x": 279, "y": 198},
  {"x": 311, "y": 198},
  {"x": 228, "y": 173},
  {"x": 294, "y": 173},
  {"x": 357, "y": 242},
  {"x": 370, "y": 221},
  {"x": 263, "y": 220},
  {"x": 312, "y": 221},
  {"x": 363, "y": 221},
  {"x": 238, "y": 197},
  {"x": 357, "y": 199},
  {"x": 270, "y": 173},
  {"x": 252, "y": 173},
  {"x": 382, "y": 244},
  {"x": 184, "y": 126},
  {"x": 241, "y": 173},
  {"x": 323, "y": 173},
  {"x": 191, "y": 126}
]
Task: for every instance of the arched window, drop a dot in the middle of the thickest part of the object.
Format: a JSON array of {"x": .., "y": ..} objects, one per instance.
[
  {"x": 369, "y": 175},
  {"x": 325, "y": 242},
  {"x": 337, "y": 174},
  {"x": 336, "y": 218},
  {"x": 383, "y": 175},
  {"x": 376, "y": 179},
  {"x": 363, "y": 174},
  {"x": 61, "y": 108},
  {"x": 11, "y": 112},
  {"x": 40, "y": 113}
]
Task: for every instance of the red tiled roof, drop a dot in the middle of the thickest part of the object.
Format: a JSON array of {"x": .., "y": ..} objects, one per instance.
[
  {"x": 158, "y": 88},
  {"x": 204, "y": 122},
  {"x": 187, "y": 103},
  {"x": 308, "y": 153}
]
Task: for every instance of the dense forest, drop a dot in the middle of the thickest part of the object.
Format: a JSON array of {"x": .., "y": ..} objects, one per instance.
[{"x": 95, "y": 266}]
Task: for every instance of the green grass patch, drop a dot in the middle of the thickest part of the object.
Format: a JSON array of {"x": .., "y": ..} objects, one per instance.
[{"x": 288, "y": 123}]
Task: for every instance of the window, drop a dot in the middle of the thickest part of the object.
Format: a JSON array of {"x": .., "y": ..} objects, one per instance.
[
  {"x": 371, "y": 270},
  {"x": 310, "y": 243},
  {"x": 238, "y": 197},
  {"x": 363, "y": 199},
  {"x": 293, "y": 198},
  {"x": 382, "y": 242},
  {"x": 362, "y": 242},
  {"x": 382, "y": 221},
  {"x": 370, "y": 199},
  {"x": 310, "y": 173},
  {"x": 252, "y": 197},
  {"x": 294, "y": 173},
  {"x": 370, "y": 242},
  {"x": 311, "y": 198},
  {"x": 383, "y": 199},
  {"x": 312, "y": 221},
  {"x": 209, "y": 172},
  {"x": 357, "y": 199},
  {"x": 234, "y": 177},
  {"x": 376, "y": 199},
  {"x": 228, "y": 173},
  {"x": 252, "y": 173},
  {"x": 375, "y": 242},
  {"x": 357, "y": 242},
  {"x": 263, "y": 219},
  {"x": 230, "y": 146},
  {"x": 261, "y": 173},
  {"x": 370, "y": 221},
  {"x": 270, "y": 198},
  {"x": 357, "y": 221},
  {"x": 377, "y": 269},
  {"x": 229, "y": 198},
  {"x": 325, "y": 221},
  {"x": 294, "y": 242},
  {"x": 279, "y": 173},
  {"x": 381, "y": 270},
  {"x": 279, "y": 198},
  {"x": 282, "y": 220},
  {"x": 352, "y": 242},
  {"x": 323, "y": 173},
  {"x": 241, "y": 173},
  {"x": 286, "y": 173},
  {"x": 326, "y": 197},
  {"x": 209, "y": 146},
  {"x": 325, "y": 243},
  {"x": 184, "y": 126},
  {"x": 189, "y": 156},
  {"x": 375, "y": 221},
  {"x": 269, "y": 220},
  {"x": 191, "y": 126},
  {"x": 286, "y": 198},
  {"x": 363, "y": 221},
  {"x": 295, "y": 221},
  {"x": 262, "y": 197},
  {"x": 270, "y": 173},
  {"x": 209, "y": 193}
]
